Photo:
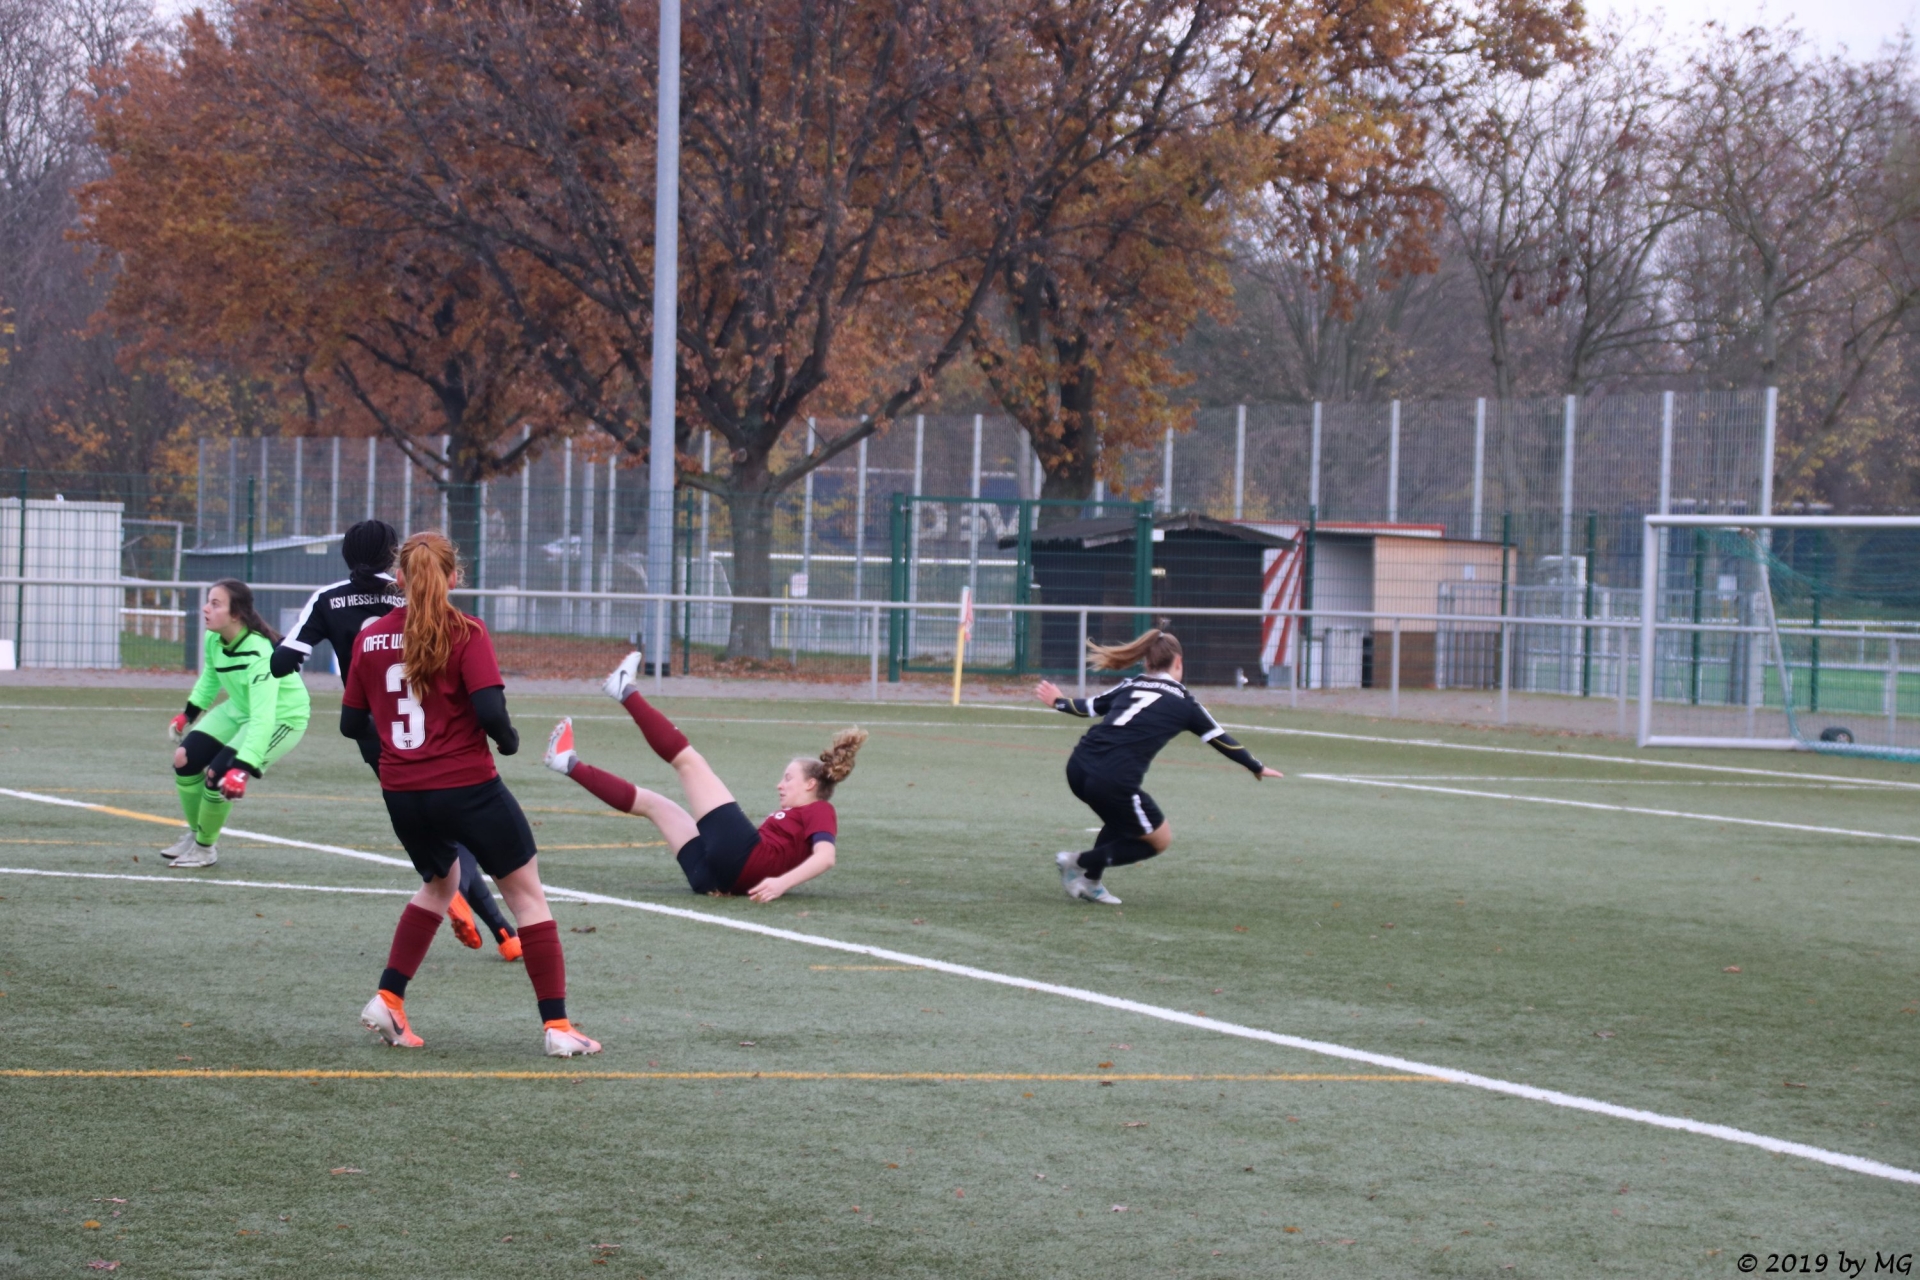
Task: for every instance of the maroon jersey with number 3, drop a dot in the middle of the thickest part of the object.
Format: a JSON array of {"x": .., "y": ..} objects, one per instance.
[
  {"x": 786, "y": 840},
  {"x": 429, "y": 738}
]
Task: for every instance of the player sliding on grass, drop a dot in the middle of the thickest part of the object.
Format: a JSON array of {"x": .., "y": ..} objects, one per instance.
[
  {"x": 336, "y": 614},
  {"x": 261, "y": 720},
  {"x": 713, "y": 840},
  {"x": 1138, "y": 716},
  {"x": 425, "y": 677}
]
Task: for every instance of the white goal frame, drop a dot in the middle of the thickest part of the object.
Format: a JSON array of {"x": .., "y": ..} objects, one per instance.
[{"x": 1650, "y": 550}]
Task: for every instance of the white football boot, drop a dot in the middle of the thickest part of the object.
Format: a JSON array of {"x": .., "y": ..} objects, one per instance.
[
  {"x": 623, "y": 679},
  {"x": 562, "y": 1041},
  {"x": 197, "y": 855},
  {"x": 180, "y": 846},
  {"x": 386, "y": 1016},
  {"x": 560, "y": 755}
]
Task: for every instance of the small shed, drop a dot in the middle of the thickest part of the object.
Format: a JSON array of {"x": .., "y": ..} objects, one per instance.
[
  {"x": 1373, "y": 569},
  {"x": 1197, "y": 563},
  {"x": 66, "y": 626}
]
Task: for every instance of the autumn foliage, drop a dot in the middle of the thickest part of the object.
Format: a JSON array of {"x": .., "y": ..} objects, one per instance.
[{"x": 436, "y": 221}]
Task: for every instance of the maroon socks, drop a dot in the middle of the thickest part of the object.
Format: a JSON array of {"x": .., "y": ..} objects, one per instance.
[
  {"x": 547, "y": 967},
  {"x": 610, "y": 788},
  {"x": 666, "y": 741},
  {"x": 411, "y": 938}
]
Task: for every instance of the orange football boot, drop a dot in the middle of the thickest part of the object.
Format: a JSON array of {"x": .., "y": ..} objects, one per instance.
[{"x": 460, "y": 917}]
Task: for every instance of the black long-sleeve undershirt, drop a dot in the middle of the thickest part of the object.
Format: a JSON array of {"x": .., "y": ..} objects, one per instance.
[{"x": 489, "y": 708}]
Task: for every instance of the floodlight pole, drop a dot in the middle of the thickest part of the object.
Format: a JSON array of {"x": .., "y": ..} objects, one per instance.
[{"x": 666, "y": 326}]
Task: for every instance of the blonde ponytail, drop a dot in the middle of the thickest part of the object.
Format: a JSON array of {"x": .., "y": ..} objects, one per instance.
[
  {"x": 1155, "y": 649},
  {"x": 427, "y": 566},
  {"x": 833, "y": 765}
]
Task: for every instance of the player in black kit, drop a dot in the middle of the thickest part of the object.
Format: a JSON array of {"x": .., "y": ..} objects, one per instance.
[
  {"x": 336, "y": 613},
  {"x": 1138, "y": 716}
]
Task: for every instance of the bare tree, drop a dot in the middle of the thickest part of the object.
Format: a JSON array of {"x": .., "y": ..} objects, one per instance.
[
  {"x": 1798, "y": 266},
  {"x": 1560, "y": 191},
  {"x": 63, "y": 399}
]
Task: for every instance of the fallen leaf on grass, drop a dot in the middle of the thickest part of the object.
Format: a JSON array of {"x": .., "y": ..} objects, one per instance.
[
  {"x": 1105, "y": 1065},
  {"x": 101, "y": 1265},
  {"x": 1732, "y": 968},
  {"x": 1239, "y": 928},
  {"x": 1292, "y": 1231},
  {"x": 346, "y": 1168},
  {"x": 1119, "y": 1208},
  {"x": 592, "y": 928},
  {"x": 749, "y": 1044},
  {"x": 1604, "y": 1035},
  {"x": 1134, "y": 1124},
  {"x": 1791, "y": 1084},
  {"x": 108, "y": 1200},
  {"x": 1219, "y": 991},
  {"x": 91, "y": 1224},
  {"x": 892, "y": 1165}
]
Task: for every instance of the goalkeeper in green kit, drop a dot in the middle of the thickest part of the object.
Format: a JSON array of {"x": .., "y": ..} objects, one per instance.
[{"x": 262, "y": 719}]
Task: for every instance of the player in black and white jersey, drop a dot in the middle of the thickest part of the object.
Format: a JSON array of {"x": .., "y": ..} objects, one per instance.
[
  {"x": 336, "y": 613},
  {"x": 1138, "y": 716}
]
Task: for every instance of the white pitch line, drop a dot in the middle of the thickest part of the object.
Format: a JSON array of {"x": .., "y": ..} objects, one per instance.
[
  {"x": 1811, "y": 784},
  {"x": 342, "y": 851},
  {"x": 183, "y": 879},
  {"x": 1552, "y": 1097},
  {"x": 1629, "y": 761},
  {"x": 1357, "y": 781}
]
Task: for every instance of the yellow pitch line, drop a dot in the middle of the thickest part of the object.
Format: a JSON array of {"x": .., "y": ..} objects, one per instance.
[
  {"x": 135, "y": 815},
  {"x": 634, "y": 844},
  {"x": 984, "y": 1077}
]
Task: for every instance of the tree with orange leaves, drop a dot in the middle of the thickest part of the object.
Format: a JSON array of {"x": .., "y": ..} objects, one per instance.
[
  {"x": 1121, "y": 140},
  {"x": 233, "y": 252}
]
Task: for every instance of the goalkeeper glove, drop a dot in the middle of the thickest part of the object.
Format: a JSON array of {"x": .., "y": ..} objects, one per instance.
[
  {"x": 177, "y": 728},
  {"x": 233, "y": 784}
]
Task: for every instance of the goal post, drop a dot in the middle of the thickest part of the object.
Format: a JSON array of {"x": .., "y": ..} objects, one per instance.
[{"x": 1797, "y": 633}]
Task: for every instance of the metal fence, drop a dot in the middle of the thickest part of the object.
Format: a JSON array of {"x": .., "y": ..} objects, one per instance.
[{"x": 1433, "y": 512}]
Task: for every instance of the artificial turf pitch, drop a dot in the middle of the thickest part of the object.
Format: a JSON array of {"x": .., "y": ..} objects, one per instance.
[{"x": 769, "y": 1107}]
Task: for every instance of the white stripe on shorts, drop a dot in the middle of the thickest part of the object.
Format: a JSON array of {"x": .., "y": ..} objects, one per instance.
[{"x": 1140, "y": 810}]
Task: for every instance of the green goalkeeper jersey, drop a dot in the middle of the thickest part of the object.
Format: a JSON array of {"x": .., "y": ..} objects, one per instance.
[{"x": 259, "y": 699}]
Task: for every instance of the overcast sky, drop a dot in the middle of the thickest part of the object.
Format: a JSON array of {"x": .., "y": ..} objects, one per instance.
[{"x": 1860, "y": 25}]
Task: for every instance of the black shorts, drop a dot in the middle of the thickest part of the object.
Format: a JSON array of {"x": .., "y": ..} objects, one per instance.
[
  {"x": 714, "y": 859},
  {"x": 485, "y": 818},
  {"x": 1122, "y": 805}
]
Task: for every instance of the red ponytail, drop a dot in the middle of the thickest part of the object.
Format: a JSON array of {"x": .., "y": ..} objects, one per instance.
[{"x": 427, "y": 566}]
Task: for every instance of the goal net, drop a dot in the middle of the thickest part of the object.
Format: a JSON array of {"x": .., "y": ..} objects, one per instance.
[{"x": 1789, "y": 632}]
